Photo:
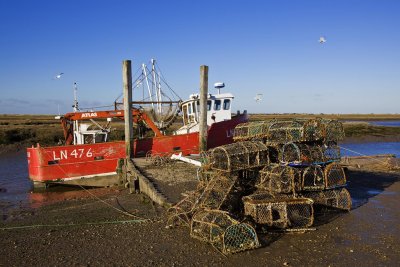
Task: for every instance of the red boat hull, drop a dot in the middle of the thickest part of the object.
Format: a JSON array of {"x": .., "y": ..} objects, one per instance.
[{"x": 63, "y": 163}]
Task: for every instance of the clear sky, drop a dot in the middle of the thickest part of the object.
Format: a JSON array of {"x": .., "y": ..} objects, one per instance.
[{"x": 268, "y": 47}]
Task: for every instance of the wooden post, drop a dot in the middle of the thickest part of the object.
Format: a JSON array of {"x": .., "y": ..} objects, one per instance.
[
  {"x": 127, "y": 83},
  {"x": 203, "y": 108}
]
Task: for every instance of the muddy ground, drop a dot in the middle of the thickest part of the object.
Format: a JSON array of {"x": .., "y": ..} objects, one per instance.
[{"x": 83, "y": 230}]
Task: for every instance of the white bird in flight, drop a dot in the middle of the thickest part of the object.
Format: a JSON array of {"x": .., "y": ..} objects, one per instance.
[
  {"x": 58, "y": 76},
  {"x": 322, "y": 40},
  {"x": 258, "y": 98}
]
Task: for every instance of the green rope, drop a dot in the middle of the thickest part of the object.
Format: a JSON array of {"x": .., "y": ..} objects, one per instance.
[{"x": 71, "y": 224}]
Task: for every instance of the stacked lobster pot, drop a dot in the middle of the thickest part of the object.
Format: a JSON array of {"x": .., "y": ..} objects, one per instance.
[
  {"x": 271, "y": 177},
  {"x": 213, "y": 210},
  {"x": 303, "y": 170}
]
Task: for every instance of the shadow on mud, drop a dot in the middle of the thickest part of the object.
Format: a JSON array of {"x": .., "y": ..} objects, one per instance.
[{"x": 364, "y": 185}]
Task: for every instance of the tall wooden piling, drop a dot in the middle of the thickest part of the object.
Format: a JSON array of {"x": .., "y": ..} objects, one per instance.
[
  {"x": 127, "y": 84},
  {"x": 203, "y": 107}
]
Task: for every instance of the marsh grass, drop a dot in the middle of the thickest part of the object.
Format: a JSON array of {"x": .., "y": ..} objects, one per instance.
[{"x": 27, "y": 130}]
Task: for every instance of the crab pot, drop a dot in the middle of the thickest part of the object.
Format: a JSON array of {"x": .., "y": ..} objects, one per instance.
[
  {"x": 218, "y": 192},
  {"x": 285, "y": 131},
  {"x": 313, "y": 178},
  {"x": 333, "y": 130},
  {"x": 223, "y": 232},
  {"x": 334, "y": 176},
  {"x": 274, "y": 152},
  {"x": 239, "y": 156},
  {"x": 181, "y": 213},
  {"x": 296, "y": 153},
  {"x": 241, "y": 132},
  {"x": 280, "y": 212},
  {"x": 336, "y": 198},
  {"x": 331, "y": 152},
  {"x": 313, "y": 130},
  {"x": 276, "y": 179},
  {"x": 251, "y": 130}
]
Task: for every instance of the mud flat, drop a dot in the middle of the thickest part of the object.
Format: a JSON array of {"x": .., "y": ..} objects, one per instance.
[{"x": 87, "y": 230}]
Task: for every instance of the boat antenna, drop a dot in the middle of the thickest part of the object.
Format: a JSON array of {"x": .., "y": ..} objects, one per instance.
[{"x": 75, "y": 106}]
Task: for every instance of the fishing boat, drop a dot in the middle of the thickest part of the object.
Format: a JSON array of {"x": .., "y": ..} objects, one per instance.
[{"x": 89, "y": 158}]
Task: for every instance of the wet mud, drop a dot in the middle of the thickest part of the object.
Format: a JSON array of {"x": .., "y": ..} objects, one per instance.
[{"x": 98, "y": 231}]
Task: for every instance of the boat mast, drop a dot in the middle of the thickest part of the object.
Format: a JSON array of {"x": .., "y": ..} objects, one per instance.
[
  {"x": 156, "y": 86},
  {"x": 76, "y": 108},
  {"x": 148, "y": 87}
]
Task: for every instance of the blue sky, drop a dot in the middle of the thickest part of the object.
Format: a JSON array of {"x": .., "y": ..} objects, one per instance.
[{"x": 268, "y": 47}]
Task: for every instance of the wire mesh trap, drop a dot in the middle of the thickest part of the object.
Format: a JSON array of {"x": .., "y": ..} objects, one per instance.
[
  {"x": 299, "y": 153},
  {"x": 336, "y": 198},
  {"x": 239, "y": 156},
  {"x": 223, "y": 232},
  {"x": 277, "y": 179},
  {"x": 280, "y": 211},
  {"x": 333, "y": 130},
  {"x": 313, "y": 178},
  {"x": 331, "y": 151},
  {"x": 217, "y": 192},
  {"x": 334, "y": 176},
  {"x": 292, "y": 164},
  {"x": 316, "y": 177},
  {"x": 274, "y": 131},
  {"x": 292, "y": 130},
  {"x": 181, "y": 213}
]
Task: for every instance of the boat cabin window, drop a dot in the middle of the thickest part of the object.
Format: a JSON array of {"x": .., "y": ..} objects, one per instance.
[
  {"x": 194, "y": 107},
  {"x": 217, "y": 104},
  {"x": 208, "y": 105},
  {"x": 88, "y": 139},
  {"x": 190, "y": 108},
  {"x": 100, "y": 138},
  {"x": 227, "y": 104},
  {"x": 94, "y": 138}
]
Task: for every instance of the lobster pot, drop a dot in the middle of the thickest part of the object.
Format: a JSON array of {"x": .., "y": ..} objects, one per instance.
[
  {"x": 280, "y": 212},
  {"x": 241, "y": 132},
  {"x": 181, "y": 213},
  {"x": 239, "y": 156},
  {"x": 276, "y": 179},
  {"x": 222, "y": 231},
  {"x": 281, "y": 132},
  {"x": 313, "y": 178},
  {"x": 251, "y": 131},
  {"x": 296, "y": 153},
  {"x": 333, "y": 130},
  {"x": 274, "y": 152},
  {"x": 331, "y": 152},
  {"x": 336, "y": 198},
  {"x": 217, "y": 192},
  {"x": 334, "y": 176},
  {"x": 313, "y": 130}
]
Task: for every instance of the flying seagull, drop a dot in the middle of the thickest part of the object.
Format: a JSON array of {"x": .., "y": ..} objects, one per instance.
[
  {"x": 58, "y": 76},
  {"x": 258, "y": 98},
  {"x": 322, "y": 40}
]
